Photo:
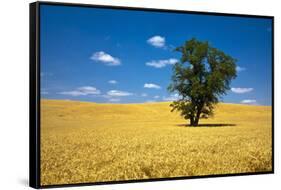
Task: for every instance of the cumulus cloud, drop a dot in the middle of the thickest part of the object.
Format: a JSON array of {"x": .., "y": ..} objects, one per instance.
[
  {"x": 151, "y": 85},
  {"x": 118, "y": 93},
  {"x": 156, "y": 97},
  {"x": 241, "y": 90},
  {"x": 112, "y": 82},
  {"x": 82, "y": 91},
  {"x": 161, "y": 63},
  {"x": 248, "y": 101},
  {"x": 157, "y": 41},
  {"x": 239, "y": 69},
  {"x": 172, "y": 97},
  {"x": 105, "y": 58}
]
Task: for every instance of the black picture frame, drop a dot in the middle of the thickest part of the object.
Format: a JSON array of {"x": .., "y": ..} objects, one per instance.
[{"x": 34, "y": 93}]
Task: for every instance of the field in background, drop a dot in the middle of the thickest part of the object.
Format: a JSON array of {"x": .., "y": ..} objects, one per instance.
[{"x": 89, "y": 142}]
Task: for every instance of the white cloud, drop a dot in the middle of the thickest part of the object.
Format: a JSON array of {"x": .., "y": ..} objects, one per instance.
[
  {"x": 156, "y": 97},
  {"x": 239, "y": 69},
  {"x": 82, "y": 91},
  {"x": 249, "y": 101},
  {"x": 114, "y": 100},
  {"x": 105, "y": 58},
  {"x": 73, "y": 93},
  {"x": 112, "y": 82},
  {"x": 241, "y": 90},
  {"x": 161, "y": 63},
  {"x": 89, "y": 90},
  {"x": 173, "y": 97},
  {"x": 143, "y": 94},
  {"x": 157, "y": 41},
  {"x": 118, "y": 93},
  {"x": 151, "y": 85}
]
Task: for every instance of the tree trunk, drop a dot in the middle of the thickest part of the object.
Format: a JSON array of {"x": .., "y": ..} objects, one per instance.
[
  {"x": 191, "y": 121},
  {"x": 196, "y": 121},
  {"x": 197, "y": 117}
]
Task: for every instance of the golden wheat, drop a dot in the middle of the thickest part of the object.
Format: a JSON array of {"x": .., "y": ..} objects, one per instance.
[{"x": 89, "y": 142}]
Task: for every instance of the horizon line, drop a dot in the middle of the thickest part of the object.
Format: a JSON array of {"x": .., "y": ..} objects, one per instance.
[{"x": 119, "y": 103}]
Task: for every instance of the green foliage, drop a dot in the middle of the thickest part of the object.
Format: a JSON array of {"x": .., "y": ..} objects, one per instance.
[{"x": 201, "y": 78}]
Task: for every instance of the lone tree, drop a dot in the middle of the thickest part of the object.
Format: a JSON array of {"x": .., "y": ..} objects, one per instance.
[{"x": 201, "y": 77}]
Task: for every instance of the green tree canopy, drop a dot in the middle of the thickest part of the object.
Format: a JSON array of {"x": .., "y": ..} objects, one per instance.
[{"x": 201, "y": 78}]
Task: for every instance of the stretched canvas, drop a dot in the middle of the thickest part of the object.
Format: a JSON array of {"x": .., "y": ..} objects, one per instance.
[{"x": 120, "y": 94}]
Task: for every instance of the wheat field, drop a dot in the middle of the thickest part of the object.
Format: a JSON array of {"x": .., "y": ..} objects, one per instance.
[{"x": 89, "y": 142}]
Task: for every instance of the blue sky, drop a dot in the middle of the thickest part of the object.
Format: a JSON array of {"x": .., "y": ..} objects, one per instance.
[{"x": 123, "y": 56}]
